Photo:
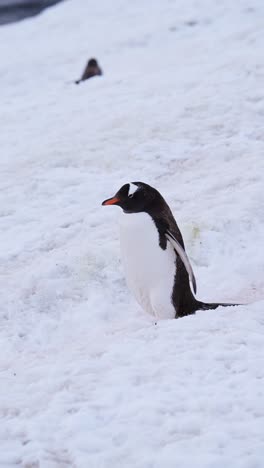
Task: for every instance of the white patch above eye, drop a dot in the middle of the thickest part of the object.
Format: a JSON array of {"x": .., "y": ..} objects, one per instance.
[{"x": 132, "y": 189}]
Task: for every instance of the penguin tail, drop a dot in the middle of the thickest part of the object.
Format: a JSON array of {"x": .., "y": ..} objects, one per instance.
[{"x": 214, "y": 305}]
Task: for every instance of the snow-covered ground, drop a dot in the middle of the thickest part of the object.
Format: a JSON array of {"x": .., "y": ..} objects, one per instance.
[{"x": 87, "y": 380}]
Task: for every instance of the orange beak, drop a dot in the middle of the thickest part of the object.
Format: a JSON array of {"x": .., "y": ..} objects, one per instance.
[{"x": 111, "y": 201}]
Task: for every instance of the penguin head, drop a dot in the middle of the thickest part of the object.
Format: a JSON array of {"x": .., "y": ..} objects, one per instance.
[
  {"x": 92, "y": 63},
  {"x": 134, "y": 197}
]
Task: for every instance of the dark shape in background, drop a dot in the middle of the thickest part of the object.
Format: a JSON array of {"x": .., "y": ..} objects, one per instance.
[
  {"x": 92, "y": 69},
  {"x": 16, "y": 10}
]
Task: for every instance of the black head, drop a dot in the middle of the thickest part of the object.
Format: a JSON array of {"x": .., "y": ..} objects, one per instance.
[
  {"x": 92, "y": 63},
  {"x": 136, "y": 197}
]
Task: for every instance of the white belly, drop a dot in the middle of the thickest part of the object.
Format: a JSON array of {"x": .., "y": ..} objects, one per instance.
[{"x": 149, "y": 270}]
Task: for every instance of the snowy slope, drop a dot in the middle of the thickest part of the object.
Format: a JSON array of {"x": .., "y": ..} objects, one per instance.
[{"x": 87, "y": 379}]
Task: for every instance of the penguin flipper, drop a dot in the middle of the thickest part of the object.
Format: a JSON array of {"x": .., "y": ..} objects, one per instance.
[{"x": 183, "y": 256}]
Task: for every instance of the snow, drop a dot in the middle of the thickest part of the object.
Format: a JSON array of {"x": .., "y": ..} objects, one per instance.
[{"x": 87, "y": 379}]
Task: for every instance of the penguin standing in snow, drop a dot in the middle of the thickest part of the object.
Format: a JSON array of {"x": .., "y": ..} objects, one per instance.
[
  {"x": 157, "y": 268},
  {"x": 92, "y": 69}
]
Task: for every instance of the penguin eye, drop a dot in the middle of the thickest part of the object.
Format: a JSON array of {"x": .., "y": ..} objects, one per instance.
[{"x": 131, "y": 196}]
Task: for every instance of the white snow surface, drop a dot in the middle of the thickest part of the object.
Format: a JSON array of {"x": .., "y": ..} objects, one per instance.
[{"x": 87, "y": 379}]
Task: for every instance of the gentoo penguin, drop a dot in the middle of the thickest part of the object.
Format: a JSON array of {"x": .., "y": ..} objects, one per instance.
[
  {"x": 92, "y": 69},
  {"x": 157, "y": 268}
]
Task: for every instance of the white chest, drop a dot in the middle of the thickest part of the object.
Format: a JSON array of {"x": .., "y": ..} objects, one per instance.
[{"x": 149, "y": 270}]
